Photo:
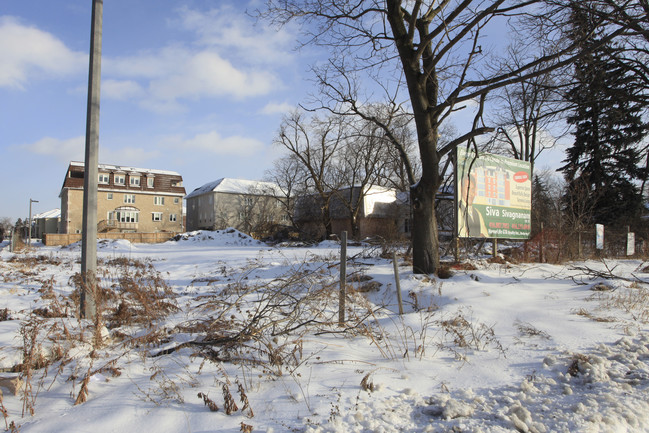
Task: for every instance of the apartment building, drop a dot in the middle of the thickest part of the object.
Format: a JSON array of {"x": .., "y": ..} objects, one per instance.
[
  {"x": 128, "y": 199},
  {"x": 249, "y": 206}
]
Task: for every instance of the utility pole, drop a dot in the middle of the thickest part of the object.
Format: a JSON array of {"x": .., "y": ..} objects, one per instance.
[
  {"x": 29, "y": 238},
  {"x": 90, "y": 181}
]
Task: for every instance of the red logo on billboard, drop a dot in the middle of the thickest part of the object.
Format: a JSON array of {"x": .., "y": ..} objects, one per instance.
[{"x": 521, "y": 177}]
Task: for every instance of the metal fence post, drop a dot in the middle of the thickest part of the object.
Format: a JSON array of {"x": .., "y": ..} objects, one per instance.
[
  {"x": 343, "y": 277},
  {"x": 397, "y": 281}
]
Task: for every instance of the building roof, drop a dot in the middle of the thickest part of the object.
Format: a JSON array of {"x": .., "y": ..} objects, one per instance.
[
  {"x": 236, "y": 186},
  {"x": 168, "y": 182},
  {"x": 54, "y": 213},
  {"x": 127, "y": 169}
]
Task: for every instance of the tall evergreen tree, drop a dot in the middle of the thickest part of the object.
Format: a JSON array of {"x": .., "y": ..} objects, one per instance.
[{"x": 608, "y": 127}]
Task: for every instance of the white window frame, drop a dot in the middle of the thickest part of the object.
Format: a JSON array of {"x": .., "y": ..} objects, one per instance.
[
  {"x": 125, "y": 216},
  {"x": 134, "y": 181},
  {"x": 173, "y": 217},
  {"x": 119, "y": 179},
  {"x": 176, "y": 200},
  {"x": 156, "y": 216},
  {"x": 104, "y": 178},
  {"x": 109, "y": 196},
  {"x": 248, "y": 201},
  {"x": 149, "y": 182},
  {"x": 129, "y": 198},
  {"x": 159, "y": 200}
]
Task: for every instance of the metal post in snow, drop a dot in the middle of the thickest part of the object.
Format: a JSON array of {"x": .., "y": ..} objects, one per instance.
[
  {"x": 397, "y": 281},
  {"x": 343, "y": 277},
  {"x": 542, "y": 246},
  {"x": 29, "y": 229}
]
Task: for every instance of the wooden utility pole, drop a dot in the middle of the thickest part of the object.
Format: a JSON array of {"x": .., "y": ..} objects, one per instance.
[{"x": 89, "y": 228}]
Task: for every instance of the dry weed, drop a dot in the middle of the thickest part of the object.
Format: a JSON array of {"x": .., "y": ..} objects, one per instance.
[
  {"x": 230, "y": 405},
  {"x": 367, "y": 384},
  {"x": 244, "y": 400},
  {"x": 208, "y": 402},
  {"x": 467, "y": 335},
  {"x": 529, "y": 330}
]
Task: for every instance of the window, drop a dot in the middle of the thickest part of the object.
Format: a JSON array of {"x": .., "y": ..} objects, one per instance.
[
  {"x": 149, "y": 182},
  {"x": 248, "y": 201},
  {"x": 125, "y": 216},
  {"x": 156, "y": 216},
  {"x": 129, "y": 198},
  {"x": 176, "y": 183},
  {"x": 157, "y": 200},
  {"x": 119, "y": 179},
  {"x": 104, "y": 178},
  {"x": 173, "y": 217},
  {"x": 134, "y": 180},
  {"x": 109, "y": 196},
  {"x": 176, "y": 200}
]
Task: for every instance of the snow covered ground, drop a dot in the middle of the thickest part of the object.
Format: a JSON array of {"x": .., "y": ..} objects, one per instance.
[{"x": 217, "y": 318}]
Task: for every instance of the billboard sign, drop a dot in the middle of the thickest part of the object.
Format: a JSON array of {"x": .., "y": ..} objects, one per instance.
[{"x": 495, "y": 196}]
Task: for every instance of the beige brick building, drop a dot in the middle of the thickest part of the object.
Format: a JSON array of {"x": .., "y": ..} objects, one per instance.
[
  {"x": 249, "y": 206},
  {"x": 128, "y": 200}
]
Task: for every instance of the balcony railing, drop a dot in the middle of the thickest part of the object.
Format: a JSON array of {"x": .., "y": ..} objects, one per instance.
[{"x": 108, "y": 225}]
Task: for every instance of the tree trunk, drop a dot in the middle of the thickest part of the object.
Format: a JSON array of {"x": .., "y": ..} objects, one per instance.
[{"x": 425, "y": 242}]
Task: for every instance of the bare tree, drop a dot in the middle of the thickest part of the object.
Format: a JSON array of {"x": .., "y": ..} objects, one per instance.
[
  {"x": 435, "y": 48},
  {"x": 312, "y": 145},
  {"x": 332, "y": 160},
  {"x": 526, "y": 112}
]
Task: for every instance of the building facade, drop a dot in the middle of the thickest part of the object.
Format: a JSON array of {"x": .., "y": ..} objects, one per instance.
[
  {"x": 361, "y": 212},
  {"x": 249, "y": 206},
  {"x": 46, "y": 222},
  {"x": 128, "y": 200}
]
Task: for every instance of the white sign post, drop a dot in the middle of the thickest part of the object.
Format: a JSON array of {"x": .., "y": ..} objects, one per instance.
[
  {"x": 599, "y": 236},
  {"x": 630, "y": 244}
]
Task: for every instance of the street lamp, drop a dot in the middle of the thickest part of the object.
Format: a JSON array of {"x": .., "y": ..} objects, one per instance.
[{"x": 29, "y": 239}]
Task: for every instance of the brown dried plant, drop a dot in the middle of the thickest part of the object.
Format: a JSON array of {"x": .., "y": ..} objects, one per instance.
[
  {"x": 208, "y": 402},
  {"x": 230, "y": 405}
]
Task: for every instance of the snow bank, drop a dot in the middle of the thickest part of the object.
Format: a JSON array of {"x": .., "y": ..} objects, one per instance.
[{"x": 227, "y": 237}]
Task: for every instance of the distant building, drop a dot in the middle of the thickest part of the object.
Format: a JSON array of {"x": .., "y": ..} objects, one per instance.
[
  {"x": 374, "y": 210},
  {"x": 129, "y": 200},
  {"x": 46, "y": 222},
  {"x": 380, "y": 211},
  {"x": 249, "y": 206}
]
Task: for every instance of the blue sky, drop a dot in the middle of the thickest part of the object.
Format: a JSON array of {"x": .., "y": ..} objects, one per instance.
[{"x": 192, "y": 86}]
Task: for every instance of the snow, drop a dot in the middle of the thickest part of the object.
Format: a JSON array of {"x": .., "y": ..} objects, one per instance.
[
  {"x": 112, "y": 167},
  {"x": 502, "y": 348},
  {"x": 54, "y": 213},
  {"x": 236, "y": 186}
]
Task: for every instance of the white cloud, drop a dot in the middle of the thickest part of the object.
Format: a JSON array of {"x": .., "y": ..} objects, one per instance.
[
  {"x": 161, "y": 81},
  {"x": 207, "y": 74},
  {"x": 237, "y": 34},
  {"x": 71, "y": 149},
  {"x": 277, "y": 108},
  {"x": 121, "y": 89},
  {"x": 214, "y": 143},
  {"x": 26, "y": 51},
  {"x": 132, "y": 156}
]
